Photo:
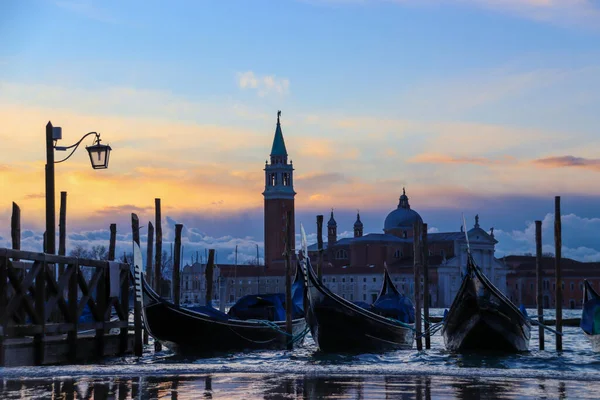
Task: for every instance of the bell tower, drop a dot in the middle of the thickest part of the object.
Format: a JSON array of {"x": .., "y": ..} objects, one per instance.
[{"x": 279, "y": 199}]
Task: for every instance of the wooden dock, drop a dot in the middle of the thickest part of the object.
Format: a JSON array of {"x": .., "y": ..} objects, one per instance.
[{"x": 42, "y": 300}]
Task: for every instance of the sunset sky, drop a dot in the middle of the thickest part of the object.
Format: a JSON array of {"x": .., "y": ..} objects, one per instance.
[{"x": 485, "y": 107}]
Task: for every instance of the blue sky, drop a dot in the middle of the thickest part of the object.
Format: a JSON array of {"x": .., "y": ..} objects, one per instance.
[{"x": 476, "y": 106}]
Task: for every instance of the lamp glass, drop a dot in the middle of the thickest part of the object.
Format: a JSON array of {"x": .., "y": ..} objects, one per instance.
[{"x": 99, "y": 155}]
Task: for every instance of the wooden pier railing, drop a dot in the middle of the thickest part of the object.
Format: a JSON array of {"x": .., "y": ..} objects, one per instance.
[{"x": 41, "y": 310}]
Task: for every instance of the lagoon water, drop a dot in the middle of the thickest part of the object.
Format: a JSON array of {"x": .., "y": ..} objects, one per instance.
[{"x": 308, "y": 374}]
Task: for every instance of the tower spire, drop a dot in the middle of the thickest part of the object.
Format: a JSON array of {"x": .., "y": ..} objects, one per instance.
[{"x": 278, "y": 150}]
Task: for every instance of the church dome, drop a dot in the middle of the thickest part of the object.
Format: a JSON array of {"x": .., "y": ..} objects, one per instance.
[{"x": 402, "y": 217}]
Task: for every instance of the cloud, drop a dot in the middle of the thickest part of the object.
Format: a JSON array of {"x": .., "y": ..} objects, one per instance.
[
  {"x": 569, "y": 161},
  {"x": 263, "y": 84},
  {"x": 578, "y": 238},
  {"x": 34, "y": 196}
]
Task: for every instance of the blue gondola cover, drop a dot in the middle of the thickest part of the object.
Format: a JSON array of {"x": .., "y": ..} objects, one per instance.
[
  {"x": 590, "y": 317},
  {"x": 395, "y": 306},
  {"x": 269, "y": 306}
]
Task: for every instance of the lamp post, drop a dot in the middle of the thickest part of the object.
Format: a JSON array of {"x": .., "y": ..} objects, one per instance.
[{"x": 99, "y": 155}]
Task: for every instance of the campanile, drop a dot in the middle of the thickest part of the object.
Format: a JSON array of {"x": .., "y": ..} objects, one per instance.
[{"x": 279, "y": 199}]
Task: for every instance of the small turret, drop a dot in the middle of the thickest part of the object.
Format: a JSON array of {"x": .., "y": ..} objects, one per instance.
[
  {"x": 331, "y": 231},
  {"x": 358, "y": 226}
]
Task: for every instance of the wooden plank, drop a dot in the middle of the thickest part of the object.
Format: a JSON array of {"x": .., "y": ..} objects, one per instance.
[
  {"x": 73, "y": 311},
  {"x": 40, "y": 304},
  {"x": 21, "y": 289},
  {"x": 86, "y": 292},
  {"x": 57, "y": 293}
]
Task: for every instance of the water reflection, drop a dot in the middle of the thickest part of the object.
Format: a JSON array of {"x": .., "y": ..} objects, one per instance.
[{"x": 272, "y": 387}]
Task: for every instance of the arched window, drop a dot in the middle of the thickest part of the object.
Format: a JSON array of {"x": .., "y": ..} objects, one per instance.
[
  {"x": 404, "y": 234},
  {"x": 273, "y": 180},
  {"x": 398, "y": 254},
  {"x": 286, "y": 179},
  {"x": 341, "y": 254}
]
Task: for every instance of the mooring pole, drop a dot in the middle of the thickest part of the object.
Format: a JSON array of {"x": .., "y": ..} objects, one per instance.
[
  {"x": 319, "y": 247},
  {"x": 50, "y": 247},
  {"x": 176, "y": 280},
  {"x": 208, "y": 273},
  {"x": 62, "y": 230},
  {"x": 15, "y": 227},
  {"x": 538, "y": 275},
  {"x": 137, "y": 306},
  {"x": 288, "y": 278},
  {"x": 158, "y": 258},
  {"x": 417, "y": 264},
  {"x": 150, "y": 254},
  {"x": 425, "y": 255},
  {"x": 557, "y": 259},
  {"x": 112, "y": 244}
]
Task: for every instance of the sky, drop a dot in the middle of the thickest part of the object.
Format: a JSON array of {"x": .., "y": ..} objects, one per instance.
[{"x": 482, "y": 107}]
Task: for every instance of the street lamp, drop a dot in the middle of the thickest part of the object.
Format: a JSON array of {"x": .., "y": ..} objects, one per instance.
[{"x": 99, "y": 155}]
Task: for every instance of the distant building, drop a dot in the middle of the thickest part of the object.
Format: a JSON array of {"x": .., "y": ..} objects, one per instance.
[
  {"x": 353, "y": 267},
  {"x": 522, "y": 286}
]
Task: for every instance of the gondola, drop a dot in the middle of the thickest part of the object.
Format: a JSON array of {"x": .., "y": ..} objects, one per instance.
[
  {"x": 590, "y": 315},
  {"x": 206, "y": 330},
  {"x": 341, "y": 326},
  {"x": 482, "y": 318}
]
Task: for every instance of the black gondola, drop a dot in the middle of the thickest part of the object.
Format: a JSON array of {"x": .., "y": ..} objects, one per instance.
[
  {"x": 338, "y": 325},
  {"x": 482, "y": 318},
  {"x": 590, "y": 315},
  {"x": 207, "y": 330}
]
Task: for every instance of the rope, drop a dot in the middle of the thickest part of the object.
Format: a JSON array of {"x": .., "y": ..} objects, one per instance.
[
  {"x": 403, "y": 324},
  {"x": 271, "y": 325},
  {"x": 300, "y": 336}
]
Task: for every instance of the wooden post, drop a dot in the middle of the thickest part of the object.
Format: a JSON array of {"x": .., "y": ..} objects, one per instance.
[
  {"x": 62, "y": 230},
  {"x": 209, "y": 277},
  {"x": 124, "y": 332},
  {"x": 158, "y": 258},
  {"x": 138, "y": 347},
  {"x": 72, "y": 293},
  {"x": 425, "y": 255},
  {"x": 557, "y": 259},
  {"x": 15, "y": 227},
  {"x": 149, "y": 255},
  {"x": 288, "y": 277},
  {"x": 3, "y": 303},
  {"x": 40, "y": 310},
  {"x": 417, "y": 291},
  {"x": 176, "y": 280},
  {"x": 319, "y": 247},
  {"x": 539, "y": 284},
  {"x": 112, "y": 245}
]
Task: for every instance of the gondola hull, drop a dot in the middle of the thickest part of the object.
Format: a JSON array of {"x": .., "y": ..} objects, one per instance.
[
  {"x": 189, "y": 332},
  {"x": 590, "y": 317},
  {"x": 481, "y": 318},
  {"x": 338, "y": 326}
]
